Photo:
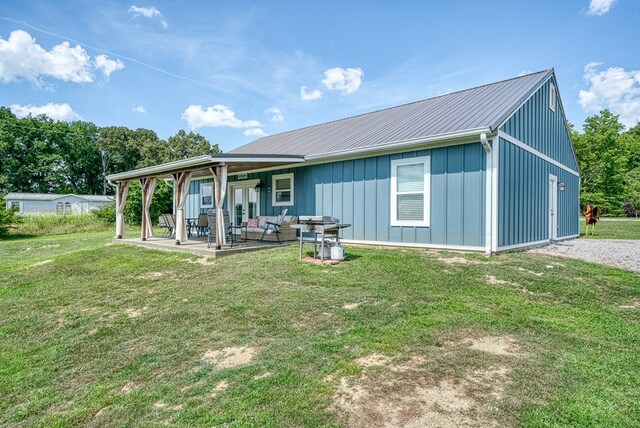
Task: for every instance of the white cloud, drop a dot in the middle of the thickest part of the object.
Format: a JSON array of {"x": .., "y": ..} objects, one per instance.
[
  {"x": 22, "y": 58},
  {"x": 252, "y": 132},
  {"x": 148, "y": 12},
  {"x": 277, "y": 115},
  {"x": 344, "y": 80},
  {"x": 615, "y": 89},
  {"x": 140, "y": 109},
  {"x": 600, "y": 7},
  {"x": 215, "y": 117},
  {"x": 308, "y": 96},
  {"x": 106, "y": 65},
  {"x": 54, "y": 111}
]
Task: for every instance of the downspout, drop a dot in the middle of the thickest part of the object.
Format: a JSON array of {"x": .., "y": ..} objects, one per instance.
[{"x": 489, "y": 195}]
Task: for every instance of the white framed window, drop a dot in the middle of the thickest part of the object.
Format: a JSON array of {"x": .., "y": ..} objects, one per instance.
[
  {"x": 552, "y": 97},
  {"x": 282, "y": 190},
  {"x": 59, "y": 208},
  {"x": 206, "y": 195},
  {"x": 411, "y": 191},
  {"x": 67, "y": 208}
]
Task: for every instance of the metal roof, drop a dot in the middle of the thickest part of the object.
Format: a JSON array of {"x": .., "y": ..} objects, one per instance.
[
  {"x": 200, "y": 165},
  {"x": 482, "y": 107},
  {"x": 54, "y": 196}
]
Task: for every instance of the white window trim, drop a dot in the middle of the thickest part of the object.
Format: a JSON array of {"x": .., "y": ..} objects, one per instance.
[
  {"x": 273, "y": 190},
  {"x": 426, "y": 160},
  {"x": 203, "y": 185},
  {"x": 553, "y": 99}
]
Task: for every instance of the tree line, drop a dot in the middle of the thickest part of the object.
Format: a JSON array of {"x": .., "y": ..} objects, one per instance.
[{"x": 42, "y": 155}]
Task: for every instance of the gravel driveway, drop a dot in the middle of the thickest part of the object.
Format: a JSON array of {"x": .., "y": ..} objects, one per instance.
[{"x": 620, "y": 253}]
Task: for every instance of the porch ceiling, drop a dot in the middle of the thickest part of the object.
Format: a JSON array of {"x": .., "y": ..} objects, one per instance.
[{"x": 199, "y": 166}]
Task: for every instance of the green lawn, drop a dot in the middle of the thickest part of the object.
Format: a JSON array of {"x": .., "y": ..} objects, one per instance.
[
  {"x": 613, "y": 228},
  {"x": 95, "y": 334}
]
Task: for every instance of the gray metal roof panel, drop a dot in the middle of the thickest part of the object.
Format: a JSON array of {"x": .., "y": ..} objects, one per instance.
[{"x": 482, "y": 106}]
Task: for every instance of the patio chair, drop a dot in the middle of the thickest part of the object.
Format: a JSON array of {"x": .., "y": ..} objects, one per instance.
[
  {"x": 271, "y": 227},
  {"x": 211, "y": 224},
  {"x": 202, "y": 225},
  {"x": 169, "y": 225}
]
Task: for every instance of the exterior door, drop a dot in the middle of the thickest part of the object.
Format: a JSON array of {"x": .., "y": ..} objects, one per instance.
[
  {"x": 553, "y": 207},
  {"x": 243, "y": 201}
]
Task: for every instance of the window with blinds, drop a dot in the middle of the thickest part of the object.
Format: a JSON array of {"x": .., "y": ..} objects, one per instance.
[
  {"x": 282, "y": 190},
  {"x": 410, "y": 180}
]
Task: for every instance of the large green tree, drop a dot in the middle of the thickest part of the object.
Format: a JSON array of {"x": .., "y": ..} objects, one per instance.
[{"x": 609, "y": 162}]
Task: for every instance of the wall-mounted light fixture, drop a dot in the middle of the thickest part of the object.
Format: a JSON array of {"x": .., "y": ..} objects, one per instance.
[
  {"x": 561, "y": 186},
  {"x": 258, "y": 187}
]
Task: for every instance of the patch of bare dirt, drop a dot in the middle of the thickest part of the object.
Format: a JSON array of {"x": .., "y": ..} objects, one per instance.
[
  {"x": 409, "y": 394},
  {"x": 204, "y": 261},
  {"x": 44, "y": 262},
  {"x": 220, "y": 386},
  {"x": 494, "y": 281},
  {"x": 497, "y": 345},
  {"x": 457, "y": 261},
  {"x": 151, "y": 275},
  {"x": 530, "y": 272},
  {"x": 633, "y": 305},
  {"x": 163, "y": 405},
  {"x": 230, "y": 357},
  {"x": 350, "y": 306},
  {"x": 135, "y": 313},
  {"x": 129, "y": 386},
  {"x": 317, "y": 261},
  {"x": 263, "y": 375}
]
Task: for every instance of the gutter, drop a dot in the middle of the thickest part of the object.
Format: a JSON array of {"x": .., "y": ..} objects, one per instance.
[{"x": 489, "y": 195}]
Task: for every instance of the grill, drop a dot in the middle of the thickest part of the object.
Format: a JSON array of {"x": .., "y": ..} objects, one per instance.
[{"x": 318, "y": 220}]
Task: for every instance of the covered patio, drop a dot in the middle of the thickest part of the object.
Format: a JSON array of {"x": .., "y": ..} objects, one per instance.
[{"x": 180, "y": 174}]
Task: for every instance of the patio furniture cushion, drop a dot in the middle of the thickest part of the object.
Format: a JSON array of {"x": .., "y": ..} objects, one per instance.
[{"x": 252, "y": 223}]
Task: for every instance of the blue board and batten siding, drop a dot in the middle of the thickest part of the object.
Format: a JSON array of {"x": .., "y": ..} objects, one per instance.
[
  {"x": 523, "y": 177},
  {"x": 358, "y": 192}
]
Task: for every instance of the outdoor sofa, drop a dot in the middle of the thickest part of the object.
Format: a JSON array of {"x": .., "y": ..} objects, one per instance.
[{"x": 287, "y": 233}]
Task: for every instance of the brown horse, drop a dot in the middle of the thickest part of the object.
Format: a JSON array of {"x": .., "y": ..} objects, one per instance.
[{"x": 591, "y": 216}]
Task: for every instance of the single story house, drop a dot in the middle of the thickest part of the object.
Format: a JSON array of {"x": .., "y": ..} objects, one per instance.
[
  {"x": 490, "y": 168},
  {"x": 51, "y": 203}
]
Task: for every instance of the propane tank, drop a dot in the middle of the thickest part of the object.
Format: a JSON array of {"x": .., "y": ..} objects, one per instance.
[{"x": 337, "y": 252}]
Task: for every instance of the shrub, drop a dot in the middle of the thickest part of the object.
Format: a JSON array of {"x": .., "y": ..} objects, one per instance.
[
  {"x": 106, "y": 215},
  {"x": 8, "y": 219}
]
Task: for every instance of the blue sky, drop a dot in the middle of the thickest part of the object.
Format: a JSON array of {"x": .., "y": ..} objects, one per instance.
[{"x": 233, "y": 71}]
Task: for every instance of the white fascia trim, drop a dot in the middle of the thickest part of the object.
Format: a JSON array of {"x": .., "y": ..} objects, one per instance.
[
  {"x": 524, "y": 102},
  {"x": 165, "y": 167},
  {"x": 257, "y": 158},
  {"x": 414, "y": 245},
  {"x": 525, "y": 147},
  {"x": 423, "y": 144},
  {"x": 523, "y": 245}
]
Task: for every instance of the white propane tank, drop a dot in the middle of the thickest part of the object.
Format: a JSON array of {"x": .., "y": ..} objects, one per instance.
[{"x": 337, "y": 252}]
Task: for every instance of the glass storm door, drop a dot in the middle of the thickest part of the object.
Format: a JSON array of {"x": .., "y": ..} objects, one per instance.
[{"x": 244, "y": 201}]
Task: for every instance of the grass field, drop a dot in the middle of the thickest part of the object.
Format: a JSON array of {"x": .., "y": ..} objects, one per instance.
[
  {"x": 613, "y": 228},
  {"x": 95, "y": 334}
]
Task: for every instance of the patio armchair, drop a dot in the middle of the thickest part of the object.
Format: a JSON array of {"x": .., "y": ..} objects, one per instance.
[
  {"x": 274, "y": 227},
  {"x": 211, "y": 225}
]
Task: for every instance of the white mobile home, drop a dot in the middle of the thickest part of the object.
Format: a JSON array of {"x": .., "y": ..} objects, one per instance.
[{"x": 51, "y": 203}]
